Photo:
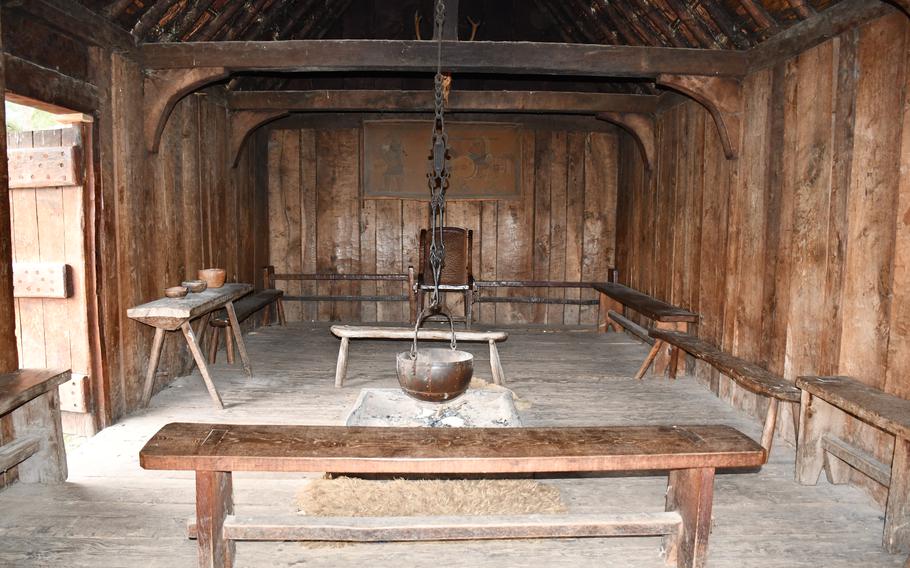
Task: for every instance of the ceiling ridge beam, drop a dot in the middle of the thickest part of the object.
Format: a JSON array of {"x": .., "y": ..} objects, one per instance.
[{"x": 522, "y": 58}]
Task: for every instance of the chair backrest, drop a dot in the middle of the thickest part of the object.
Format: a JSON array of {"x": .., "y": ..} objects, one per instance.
[{"x": 456, "y": 270}]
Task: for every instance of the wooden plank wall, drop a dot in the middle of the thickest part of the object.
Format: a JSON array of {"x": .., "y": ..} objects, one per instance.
[
  {"x": 169, "y": 215},
  {"x": 562, "y": 228},
  {"x": 796, "y": 255}
]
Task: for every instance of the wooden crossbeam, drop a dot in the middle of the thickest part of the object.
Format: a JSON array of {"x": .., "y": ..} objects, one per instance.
[
  {"x": 513, "y": 58},
  {"x": 74, "y": 19},
  {"x": 422, "y": 101}
]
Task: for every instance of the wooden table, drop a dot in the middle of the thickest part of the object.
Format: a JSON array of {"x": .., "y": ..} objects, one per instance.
[{"x": 171, "y": 314}]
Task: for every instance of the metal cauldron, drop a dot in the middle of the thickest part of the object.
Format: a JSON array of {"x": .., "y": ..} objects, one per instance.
[{"x": 435, "y": 374}]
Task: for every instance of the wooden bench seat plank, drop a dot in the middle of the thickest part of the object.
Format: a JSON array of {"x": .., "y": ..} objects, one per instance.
[
  {"x": 214, "y": 447},
  {"x": 21, "y": 386},
  {"x": 248, "y": 305},
  {"x": 380, "y": 332},
  {"x": 647, "y": 306},
  {"x": 749, "y": 375},
  {"x": 883, "y": 410},
  {"x": 170, "y": 313},
  {"x": 404, "y": 529}
]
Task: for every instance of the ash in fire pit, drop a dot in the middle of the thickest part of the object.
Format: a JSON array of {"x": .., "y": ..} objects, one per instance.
[{"x": 477, "y": 408}]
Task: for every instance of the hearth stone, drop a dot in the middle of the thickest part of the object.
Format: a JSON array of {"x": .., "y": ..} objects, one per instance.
[{"x": 490, "y": 407}]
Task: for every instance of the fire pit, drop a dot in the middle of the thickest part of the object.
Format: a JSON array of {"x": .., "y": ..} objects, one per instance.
[{"x": 490, "y": 407}]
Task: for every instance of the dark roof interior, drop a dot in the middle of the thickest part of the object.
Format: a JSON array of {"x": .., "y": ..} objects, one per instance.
[{"x": 706, "y": 24}]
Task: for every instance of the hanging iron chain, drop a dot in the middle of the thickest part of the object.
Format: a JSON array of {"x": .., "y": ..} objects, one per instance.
[{"x": 438, "y": 178}]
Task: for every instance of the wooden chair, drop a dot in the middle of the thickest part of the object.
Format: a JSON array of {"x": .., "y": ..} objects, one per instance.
[{"x": 456, "y": 275}]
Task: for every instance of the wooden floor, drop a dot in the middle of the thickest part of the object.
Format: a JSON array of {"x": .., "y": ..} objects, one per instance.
[{"x": 112, "y": 513}]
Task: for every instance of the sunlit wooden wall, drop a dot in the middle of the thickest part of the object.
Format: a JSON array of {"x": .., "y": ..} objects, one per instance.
[{"x": 797, "y": 256}]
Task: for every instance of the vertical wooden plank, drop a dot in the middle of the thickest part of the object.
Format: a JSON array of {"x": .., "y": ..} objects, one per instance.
[
  {"x": 31, "y": 310},
  {"x": 558, "y": 206},
  {"x": 214, "y": 502},
  {"x": 896, "y": 380},
  {"x": 308, "y": 229},
  {"x": 414, "y": 215},
  {"x": 600, "y": 173},
  {"x": 659, "y": 282},
  {"x": 368, "y": 257},
  {"x": 575, "y": 220},
  {"x": 679, "y": 271},
  {"x": 693, "y": 207},
  {"x": 389, "y": 247},
  {"x": 544, "y": 158},
  {"x": 337, "y": 211},
  {"x": 9, "y": 360},
  {"x": 872, "y": 200},
  {"x": 486, "y": 313},
  {"x": 285, "y": 211},
  {"x": 515, "y": 229}
]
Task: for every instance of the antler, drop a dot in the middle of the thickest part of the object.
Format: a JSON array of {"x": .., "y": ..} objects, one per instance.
[
  {"x": 417, "y": 19},
  {"x": 474, "y": 26}
]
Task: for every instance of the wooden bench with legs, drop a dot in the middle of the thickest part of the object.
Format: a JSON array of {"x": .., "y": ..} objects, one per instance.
[
  {"x": 349, "y": 332},
  {"x": 30, "y": 402},
  {"x": 689, "y": 453},
  {"x": 747, "y": 375},
  {"x": 264, "y": 300},
  {"x": 822, "y": 426},
  {"x": 613, "y": 297}
]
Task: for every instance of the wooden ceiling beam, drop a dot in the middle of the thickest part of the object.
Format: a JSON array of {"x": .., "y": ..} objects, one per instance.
[
  {"x": 522, "y": 58},
  {"x": 834, "y": 21},
  {"x": 459, "y": 101}
]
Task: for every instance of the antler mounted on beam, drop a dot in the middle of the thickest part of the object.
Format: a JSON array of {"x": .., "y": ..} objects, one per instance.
[
  {"x": 162, "y": 91},
  {"x": 641, "y": 127},
  {"x": 722, "y": 96}
]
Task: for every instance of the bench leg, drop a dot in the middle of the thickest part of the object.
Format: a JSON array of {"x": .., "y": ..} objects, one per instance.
[
  {"x": 674, "y": 360},
  {"x": 817, "y": 419},
  {"x": 238, "y": 337},
  {"x": 149, "y": 385},
  {"x": 229, "y": 346},
  {"x": 468, "y": 308},
  {"x": 649, "y": 359},
  {"x": 606, "y": 304},
  {"x": 897, "y": 511},
  {"x": 767, "y": 434},
  {"x": 214, "y": 502},
  {"x": 496, "y": 365},
  {"x": 280, "y": 306},
  {"x": 213, "y": 345},
  {"x": 200, "y": 362},
  {"x": 341, "y": 368},
  {"x": 40, "y": 417},
  {"x": 690, "y": 492}
]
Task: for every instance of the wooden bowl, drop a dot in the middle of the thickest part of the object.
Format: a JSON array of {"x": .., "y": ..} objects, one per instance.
[
  {"x": 195, "y": 286},
  {"x": 175, "y": 291},
  {"x": 214, "y": 277}
]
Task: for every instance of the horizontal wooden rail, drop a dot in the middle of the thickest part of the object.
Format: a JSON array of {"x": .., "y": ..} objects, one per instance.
[
  {"x": 532, "y": 284},
  {"x": 18, "y": 451},
  {"x": 404, "y": 298},
  {"x": 411, "y": 529},
  {"x": 534, "y": 300},
  {"x": 343, "y": 277}
]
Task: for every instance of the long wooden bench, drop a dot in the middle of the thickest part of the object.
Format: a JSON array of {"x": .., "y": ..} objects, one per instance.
[
  {"x": 30, "y": 398},
  {"x": 689, "y": 453},
  {"x": 245, "y": 307},
  {"x": 348, "y": 332},
  {"x": 665, "y": 316},
  {"x": 822, "y": 444},
  {"x": 748, "y": 375}
]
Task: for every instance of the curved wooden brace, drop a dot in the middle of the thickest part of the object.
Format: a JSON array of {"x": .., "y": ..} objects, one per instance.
[
  {"x": 722, "y": 96},
  {"x": 162, "y": 91},
  {"x": 244, "y": 122},
  {"x": 641, "y": 127},
  {"x": 903, "y": 5}
]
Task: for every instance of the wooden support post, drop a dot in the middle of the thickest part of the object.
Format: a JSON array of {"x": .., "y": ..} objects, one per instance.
[
  {"x": 767, "y": 434},
  {"x": 200, "y": 362},
  {"x": 213, "y": 345},
  {"x": 341, "y": 368},
  {"x": 721, "y": 96},
  {"x": 665, "y": 356},
  {"x": 155, "y": 356},
  {"x": 280, "y": 305},
  {"x": 606, "y": 304},
  {"x": 690, "y": 492},
  {"x": 641, "y": 127},
  {"x": 214, "y": 502},
  {"x": 655, "y": 349},
  {"x": 229, "y": 346},
  {"x": 817, "y": 419},
  {"x": 40, "y": 418},
  {"x": 897, "y": 511},
  {"x": 496, "y": 364},
  {"x": 238, "y": 337}
]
